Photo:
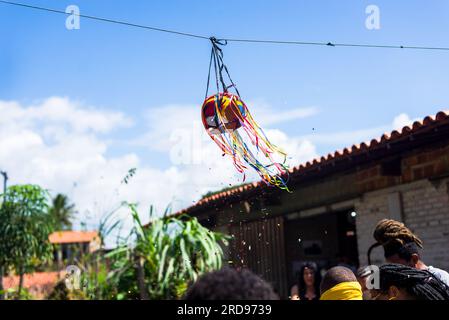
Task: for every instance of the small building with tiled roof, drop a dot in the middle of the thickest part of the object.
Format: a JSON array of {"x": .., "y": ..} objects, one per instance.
[
  {"x": 70, "y": 236},
  {"x": 71, "y": 245},
  {"x": 68, "y": 249},
  {"x": 335, "y": 203}
]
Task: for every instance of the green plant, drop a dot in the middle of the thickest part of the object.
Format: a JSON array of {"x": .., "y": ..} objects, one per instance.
[
  {"x": 16, "y": 294},
  {"x": 61, "y": 212},
  {"x": 166, "y": 255},
  {"x": 25, "y": 226},
  {"x": 97, "y": 280}
]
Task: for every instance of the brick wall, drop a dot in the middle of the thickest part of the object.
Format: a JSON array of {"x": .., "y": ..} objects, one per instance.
[
  {"x": 420, "y": 165},
  {"x": 418, "y": 196},
  {"x": 426, "y": 212},
  {"x": 371, "y": 208},
  {"x": 424, "y": 209}
]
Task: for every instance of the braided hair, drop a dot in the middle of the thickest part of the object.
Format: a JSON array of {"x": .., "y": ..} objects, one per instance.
[
  {"x": 388, "y": 231},
  {"x": 421, "y": 284},
  {"x": 395, "y": 238}
]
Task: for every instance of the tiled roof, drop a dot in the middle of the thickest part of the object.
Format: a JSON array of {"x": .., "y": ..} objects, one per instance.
[
  {"x": 72, "y": 236},
  {"x": 32, "y": 280},
  {"x": 38, "y": 284},
  {"x": 417, "y": 127}
]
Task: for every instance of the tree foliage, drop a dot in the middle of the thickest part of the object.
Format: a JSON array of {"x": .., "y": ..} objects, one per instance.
[
  {"x": 61, "y": 212},
  {"x": 24, "y": 228}
]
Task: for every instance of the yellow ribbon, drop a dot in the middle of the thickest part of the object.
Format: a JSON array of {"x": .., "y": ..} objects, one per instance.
[{"x": 344, "y": 291}]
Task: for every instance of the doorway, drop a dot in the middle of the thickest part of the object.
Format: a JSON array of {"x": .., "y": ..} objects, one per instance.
[{"x": 327, "y": 239}]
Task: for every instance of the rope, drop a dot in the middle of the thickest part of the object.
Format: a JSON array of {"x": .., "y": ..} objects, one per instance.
[{"x": 219, "y": 66}]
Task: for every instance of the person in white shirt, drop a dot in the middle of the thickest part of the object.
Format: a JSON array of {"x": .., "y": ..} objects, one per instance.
[
  {"x": 402, "y": 246},
  {"x": 409, "y": 255}
]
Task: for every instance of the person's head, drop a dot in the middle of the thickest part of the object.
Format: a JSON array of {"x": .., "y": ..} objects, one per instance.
[
  {"x": 340, "y": 283},
  {"x": 400, "y": 245},
  {"x": 407, "y": 254},
  {"x": 309, "y": 277},
  {"x": 400, "y": 282},
  {"x": 230, "y": 284}
]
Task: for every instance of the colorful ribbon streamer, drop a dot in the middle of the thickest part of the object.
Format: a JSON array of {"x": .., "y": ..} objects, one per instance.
[{"x": 224, "y": 115}]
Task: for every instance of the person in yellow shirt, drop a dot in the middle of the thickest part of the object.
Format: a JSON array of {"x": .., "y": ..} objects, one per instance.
[{"x": 340, "y": 283}]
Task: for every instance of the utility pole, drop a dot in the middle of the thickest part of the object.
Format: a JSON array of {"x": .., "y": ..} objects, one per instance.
[{"x": 5, "y": 180}]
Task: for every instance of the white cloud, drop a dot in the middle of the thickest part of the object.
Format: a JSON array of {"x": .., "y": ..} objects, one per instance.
[
  {"x": 299, "y": 150},
  {"x": 178, "y": 131},
  {"x": 166, "y": 122},
  {"x": 62, "y": 145},
  {"x": 59, "y": 111},
  {"x": 402, "y": 121},
  {"x": 267, "y": 115},
  {"x": 163, "y": 121}
]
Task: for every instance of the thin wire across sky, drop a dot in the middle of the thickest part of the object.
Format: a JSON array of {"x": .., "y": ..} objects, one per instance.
[{"x": 203, "y": 37}]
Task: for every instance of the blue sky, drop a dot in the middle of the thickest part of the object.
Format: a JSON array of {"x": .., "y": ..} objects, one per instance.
[
  {"x": 133, "y": 72},
  {"x": 129, "y": 69}
]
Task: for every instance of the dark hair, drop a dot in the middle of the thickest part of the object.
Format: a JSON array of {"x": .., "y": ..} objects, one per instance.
[
  {"x": 336, "y": 275},
  {"x": 403, "y": 251},
  {"x": 420, "y": 284},
  {"x": 301, "y": 283},
  {"x": 230, "y": 284}
]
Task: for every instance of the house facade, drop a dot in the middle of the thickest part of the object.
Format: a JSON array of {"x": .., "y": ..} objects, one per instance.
[
  {"x": 335, "y": 203},
  {"x": 69, "y": 246}
]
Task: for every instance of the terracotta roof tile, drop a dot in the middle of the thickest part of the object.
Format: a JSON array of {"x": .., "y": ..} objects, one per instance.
[
  {"x": 339, "y": 154},
  {"x": 32, "y": 280},
  {"x": 38, "y": 284},
  {"x": 72, "y": 236}
]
